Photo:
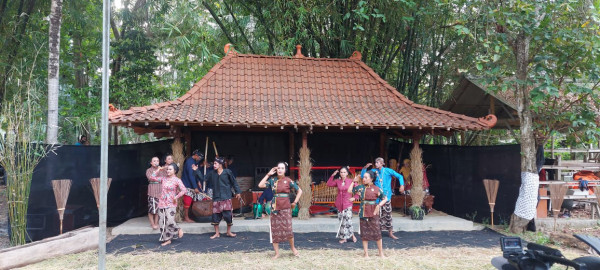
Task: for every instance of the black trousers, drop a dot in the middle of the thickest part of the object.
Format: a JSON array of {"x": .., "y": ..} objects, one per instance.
[{"x": 227, "y": 215}]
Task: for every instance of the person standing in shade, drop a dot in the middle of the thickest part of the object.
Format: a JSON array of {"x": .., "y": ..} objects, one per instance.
[
  {"x": 154, "y": 190},
  {"x": 405, "y": 171},
  {"x": 371, "y": 201},
  {"x": 188, "y": 177},
  {"x": 343, "y": 204},
  {"x": 222, "y": 181},
  {"x": 167, "y": 204},
  {"x": 281, "y": 209},
  {"x": 383, "y": 180}
]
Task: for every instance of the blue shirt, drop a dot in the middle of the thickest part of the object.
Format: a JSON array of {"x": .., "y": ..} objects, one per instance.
[
  {"x": 384, "y": 180},
  {"x": 188, "y": 177}
]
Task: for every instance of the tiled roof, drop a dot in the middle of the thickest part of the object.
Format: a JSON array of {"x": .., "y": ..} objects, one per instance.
[{"x": 257, "y": 90}]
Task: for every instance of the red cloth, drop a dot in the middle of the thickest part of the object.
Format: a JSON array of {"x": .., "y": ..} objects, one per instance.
[{"x": 187, "y": 201}]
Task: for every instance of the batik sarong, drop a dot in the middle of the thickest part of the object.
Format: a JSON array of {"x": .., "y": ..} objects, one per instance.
[
  {"x": 346, "y": 229},
  {"x": 281, "y": 225},
  {"x": 370, "y": 229},
  {"x": 168, "y": 227}
]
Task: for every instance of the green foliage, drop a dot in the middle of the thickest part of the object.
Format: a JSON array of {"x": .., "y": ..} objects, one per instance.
[
  {"x": 135, "y": 77},
  {"x": 563, "y": 71}
]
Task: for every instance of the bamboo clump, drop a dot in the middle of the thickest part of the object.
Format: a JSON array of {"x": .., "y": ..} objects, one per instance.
[
  {"x": 61, "y": 190},
  {"x": 19, "y": 156},
  {"x": 305, "y": 181},
  {"x": 491, "y": 189},
  {"x": 557, "y": 195},
  {"x": 417, "y": 194},
  {"x": 95, "y": 182}
]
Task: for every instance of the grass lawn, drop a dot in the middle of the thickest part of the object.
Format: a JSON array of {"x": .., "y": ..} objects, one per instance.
[{"x": 418, "y": 258}]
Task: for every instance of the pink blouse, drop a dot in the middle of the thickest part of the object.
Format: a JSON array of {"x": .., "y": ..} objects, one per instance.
[
  {"x": 342, "y": 201},
  {"x": 168, "y": 197}
]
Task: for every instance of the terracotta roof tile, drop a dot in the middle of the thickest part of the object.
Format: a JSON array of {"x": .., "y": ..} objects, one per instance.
[{"x": 271, "y": 90}]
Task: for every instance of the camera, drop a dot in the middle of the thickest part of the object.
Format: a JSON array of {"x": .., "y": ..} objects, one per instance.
[{"x": 535, "y": 257}]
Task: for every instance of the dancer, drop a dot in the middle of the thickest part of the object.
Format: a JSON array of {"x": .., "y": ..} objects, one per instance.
[
  {"x": 222, "y": 181},
  {"x": 369, "y": 194},
  {"x": 188, "y": 177},
  {"x": 383, "y": 180},
  {"x": 281, "y": 209},
  {"x": 167, "y": 204},
  {"x": 154, "y": 189},
  {"x": 343, "y": 204}
]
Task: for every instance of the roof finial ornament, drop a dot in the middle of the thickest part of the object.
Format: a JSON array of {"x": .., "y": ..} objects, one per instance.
[
  {"x": 489, "y": 120},
  {"x": 356, "y": 55},
  {"x": 298, "y": 51},
  {"x": 229, "y": 49}
]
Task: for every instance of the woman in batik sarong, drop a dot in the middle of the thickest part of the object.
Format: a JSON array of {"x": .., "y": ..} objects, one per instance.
[
  {"x": 343, "y": 204},
  {"x": 368, "y": 194},
  {"x": 281, "y": 208},
  {"x": 154, "y": 189},
  {"x": 167, "y": 204}
]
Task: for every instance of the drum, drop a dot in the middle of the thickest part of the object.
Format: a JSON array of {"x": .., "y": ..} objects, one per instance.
[{"x": 202, "y": 208}]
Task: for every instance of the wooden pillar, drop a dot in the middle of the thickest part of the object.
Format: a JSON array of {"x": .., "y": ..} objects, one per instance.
[
  {"x": 292, "y": 153},
  {"x": 187, "y": 135},
  {"x": 304, "y": 138},
  {"x": 382, "y": 148},
  {"x": 492, "y": 105},
  {"x": 116, "y": 135},
  {"x": 109, "y": 134}
]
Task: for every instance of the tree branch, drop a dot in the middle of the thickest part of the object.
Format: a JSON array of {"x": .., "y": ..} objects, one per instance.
[
  {"x": 239, "y": 26},
  {"x": 214, "y": 15}
]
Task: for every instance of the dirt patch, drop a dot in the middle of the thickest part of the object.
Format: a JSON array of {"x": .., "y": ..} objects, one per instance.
[{"x": 4, "y": 240}]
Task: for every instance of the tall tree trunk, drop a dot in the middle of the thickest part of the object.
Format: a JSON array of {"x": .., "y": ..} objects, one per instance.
[
  {"x": 525, "y": 208},
  {"x": 53, "y": 71}
]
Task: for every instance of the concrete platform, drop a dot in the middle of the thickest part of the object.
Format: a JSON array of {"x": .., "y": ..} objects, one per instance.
[{"x": 435, "y": 221}]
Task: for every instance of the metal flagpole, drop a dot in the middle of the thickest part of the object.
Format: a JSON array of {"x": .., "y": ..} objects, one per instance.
[{"x": 104, "y": 135}]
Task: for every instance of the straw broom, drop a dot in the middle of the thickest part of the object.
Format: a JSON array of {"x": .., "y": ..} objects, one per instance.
[
  {"x": 557, "y": 195},
  {"x": 305, "y": 180},
  {"x": 491, "y": 189},
  {"x": 61, "y": 194},
  {"x": 416, "y": 163},
  {"x": 95, "y": 182},
  {"x": 178, "y": 158}
]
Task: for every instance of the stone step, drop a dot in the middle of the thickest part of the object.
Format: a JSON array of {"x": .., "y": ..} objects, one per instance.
[{"x": 431, "y": 222}]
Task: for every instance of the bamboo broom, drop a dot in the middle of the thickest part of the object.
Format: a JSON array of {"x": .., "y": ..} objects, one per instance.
[
  {"x": 61, "y": 194},
  {"x": 557, "y": 195},
  {"x": 491, "y": 189},
  {"x": 95, "y": 182}
]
